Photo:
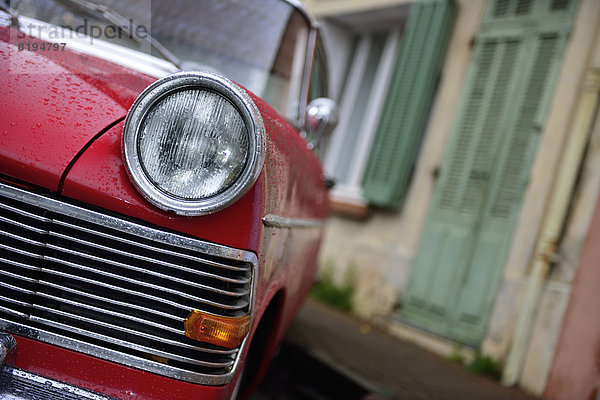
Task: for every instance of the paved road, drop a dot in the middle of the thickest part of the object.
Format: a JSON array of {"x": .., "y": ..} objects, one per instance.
[{"x": 326, "y": 356}]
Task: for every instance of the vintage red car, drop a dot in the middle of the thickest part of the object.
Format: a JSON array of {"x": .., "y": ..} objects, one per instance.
[{"x": 159, "y": 223}]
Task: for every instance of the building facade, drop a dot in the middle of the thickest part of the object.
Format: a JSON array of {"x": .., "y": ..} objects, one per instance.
[{"x": 466, "y": 168}]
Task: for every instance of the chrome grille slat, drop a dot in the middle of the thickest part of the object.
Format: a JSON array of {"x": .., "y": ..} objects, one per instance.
[
  {"x": 13, "y": 301},
  {"x": 13, "y": 312},
  {"x": 19, "y": 251},
  {"x": 135, "y": 282},
  {"x": 112, "y": 313},
  {"x": 142, "y": 270},
  {"x": 107, "y": 299},
  {"x": 160, "y": 236},
  {"x": 15, "y": 288},
  {"x": 23, "y": 226},
  {"x": 22, "y": 239},
  {"x": 124, "y": 343},
  {"x": 117, "y": 289},
  {"x": 165, "y": 251},
  {"x": 16, "y": 276},
  {"x": 24, "y": 213}
]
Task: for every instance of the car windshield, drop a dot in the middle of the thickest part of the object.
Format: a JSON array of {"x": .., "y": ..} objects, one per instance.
[{"x": 260, "y": 44}]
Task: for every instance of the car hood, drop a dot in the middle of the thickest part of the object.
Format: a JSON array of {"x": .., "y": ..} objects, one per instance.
[{"x": 53, "y": 103}]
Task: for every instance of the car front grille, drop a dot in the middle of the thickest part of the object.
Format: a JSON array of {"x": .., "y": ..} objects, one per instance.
[{"x": 116, "y": 289}]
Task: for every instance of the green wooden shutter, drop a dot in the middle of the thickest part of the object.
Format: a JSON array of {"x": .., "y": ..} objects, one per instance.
[
  {"x": 408, "y": 101},
  {"x": 451, "y": 229},
  {"x": 477, "y": 200},
  {"x": 519, "y": 10},
  {"x": 480, "y": 279}
]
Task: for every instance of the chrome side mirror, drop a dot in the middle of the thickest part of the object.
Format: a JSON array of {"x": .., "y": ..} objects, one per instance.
[{"x": 321, "y": 117}]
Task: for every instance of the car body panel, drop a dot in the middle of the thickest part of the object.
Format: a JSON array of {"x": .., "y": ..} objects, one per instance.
[{"x": 52, "y": 102}]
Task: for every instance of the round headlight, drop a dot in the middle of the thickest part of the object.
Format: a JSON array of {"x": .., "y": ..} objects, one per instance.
[{"x": 193, "y": 143}]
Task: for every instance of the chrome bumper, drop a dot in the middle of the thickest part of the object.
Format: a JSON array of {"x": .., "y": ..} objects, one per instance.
[{"x": 17, "y": 384}]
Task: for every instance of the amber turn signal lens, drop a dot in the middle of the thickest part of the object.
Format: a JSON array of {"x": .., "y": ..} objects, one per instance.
[{"x": 221, "y": 331}]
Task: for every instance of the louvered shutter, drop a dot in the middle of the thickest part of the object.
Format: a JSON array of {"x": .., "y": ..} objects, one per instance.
[
  {"x": 450, "y": 232},
  {"x": 408, "y": 101},
  {"x": 493, "y": 237},
  {"x": 469, "y": 228},
  {"x": 480, "y": 127}
]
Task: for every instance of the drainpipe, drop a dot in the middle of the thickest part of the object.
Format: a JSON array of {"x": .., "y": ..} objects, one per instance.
[{"x": 547, "y": 243}]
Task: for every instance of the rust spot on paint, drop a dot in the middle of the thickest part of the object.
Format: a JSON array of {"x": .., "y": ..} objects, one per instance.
[{"x": 548, "y": 255}]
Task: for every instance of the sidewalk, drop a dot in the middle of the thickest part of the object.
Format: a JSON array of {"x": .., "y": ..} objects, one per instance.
[{"x": 384, "y": 365}]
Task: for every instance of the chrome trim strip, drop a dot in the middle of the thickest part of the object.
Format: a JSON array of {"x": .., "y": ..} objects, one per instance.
[
  {"x": 309, "y": 59},
  {"x": 16, "y": 289},
  {"x": 298, "y": 5},
  {"x": 37, "y": 386},
  {"x": 308, "y": 66},
  {"x": 276, "y": 221}
]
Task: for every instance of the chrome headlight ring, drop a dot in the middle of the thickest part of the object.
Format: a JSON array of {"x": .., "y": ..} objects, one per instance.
[{"x": 143, "y": 160}]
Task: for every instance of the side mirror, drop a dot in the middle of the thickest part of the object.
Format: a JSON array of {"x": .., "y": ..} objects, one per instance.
[{"x": 321, "y": 118}]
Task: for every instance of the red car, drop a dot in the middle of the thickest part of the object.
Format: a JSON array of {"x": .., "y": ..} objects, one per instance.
[{"x": 159, "y": 223}]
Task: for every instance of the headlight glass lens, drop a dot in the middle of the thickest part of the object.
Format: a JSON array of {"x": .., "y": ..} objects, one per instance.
[{"x": 193, "y": 144}]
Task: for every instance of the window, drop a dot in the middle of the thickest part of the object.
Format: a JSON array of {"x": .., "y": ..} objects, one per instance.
[
  {"x": 390, "y": 85},
  {"x": 362, "y": 98}
]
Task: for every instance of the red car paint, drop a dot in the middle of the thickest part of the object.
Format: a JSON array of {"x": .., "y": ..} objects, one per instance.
[
  {"x": 49, "y": 105},
  {"x": 100, "y": 178},
  {"x": 60, "y": 131},
  {"x": 106, "y": 377}
]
